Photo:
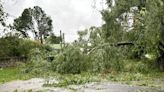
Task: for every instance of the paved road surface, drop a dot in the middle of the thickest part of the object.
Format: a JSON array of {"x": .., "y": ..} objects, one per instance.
[{"x": 35, "y": 84}]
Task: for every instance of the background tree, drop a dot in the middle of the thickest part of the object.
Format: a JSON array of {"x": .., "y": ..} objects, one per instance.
[
  {"x": 36, "y": 21},
  {"x": 24, "y": 23},
  {"x": 43, "y": 23},
  {"x": 2, "y": 15}
]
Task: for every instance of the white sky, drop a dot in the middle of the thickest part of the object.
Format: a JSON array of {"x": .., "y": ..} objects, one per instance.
[{"x": 67, "y": 15}]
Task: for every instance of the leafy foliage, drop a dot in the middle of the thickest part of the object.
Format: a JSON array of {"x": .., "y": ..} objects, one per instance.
[
  {"x": 37, "y": 64},
  {"x": 72, "y": 60},
  {"x": 97, "y": 48},
  {"x": 52, "y": 39},
  {"x": 13, "y": 46},
  {"x": 36, "y": 21},
  {"x": 76, "y": 79},
  {"x": 24, "y": 22},
  {"x": 2, "y": 15}
]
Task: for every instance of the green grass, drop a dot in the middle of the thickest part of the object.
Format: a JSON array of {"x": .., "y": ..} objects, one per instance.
[
  {"x": 9, "y": 74},
  {"x": 154, "y": 79}
]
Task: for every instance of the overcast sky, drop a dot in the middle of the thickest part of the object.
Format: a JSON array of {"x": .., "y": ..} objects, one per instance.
[{"x": 67, "y": 15}]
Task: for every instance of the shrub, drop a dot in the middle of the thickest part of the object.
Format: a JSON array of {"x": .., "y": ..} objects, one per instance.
[
  {"x": 72, "y": 60},
  {"x": 141, "y": 66},
  {"x": 37, "y": 62},
  {"x": 107, "y": 59},
  {"x": 8, "y": 46},
  {"x": 26, "y": 46},
  {"x": 13, "y": 46}
]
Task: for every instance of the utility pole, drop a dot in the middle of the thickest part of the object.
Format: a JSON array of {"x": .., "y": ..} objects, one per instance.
[{"x": 61, "y": 39}]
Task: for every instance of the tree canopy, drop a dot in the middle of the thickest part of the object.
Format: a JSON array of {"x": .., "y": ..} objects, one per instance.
[
  {"x": 2, "y": 14},
  {"x": 147, "y": 22},
  {"x": 36, "y": 21}
]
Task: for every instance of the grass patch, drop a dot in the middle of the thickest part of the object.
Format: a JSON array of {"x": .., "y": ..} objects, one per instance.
[
  {"x": 9, "y": 74},
  {"x": 154, "y": 79}
]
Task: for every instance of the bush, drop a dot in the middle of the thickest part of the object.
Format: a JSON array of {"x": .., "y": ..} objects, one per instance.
[
  {"x": 37, "y": 63},
  {"x": 26, "y": 46},
  {"x": 8, "y": 46},
  {"x": 139, "y": 66},
  {"x": 107, "y": 59},
  {"x": 72, "y": 60},
  {"x": 16, "y": 47}
]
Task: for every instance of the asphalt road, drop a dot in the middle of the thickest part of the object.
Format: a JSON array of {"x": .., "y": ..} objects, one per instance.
[{"x": 35, "y": 85}]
